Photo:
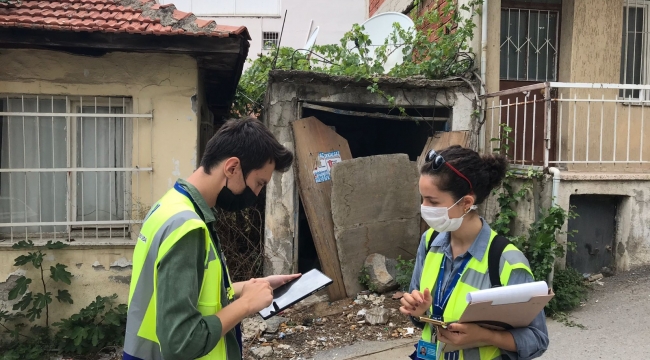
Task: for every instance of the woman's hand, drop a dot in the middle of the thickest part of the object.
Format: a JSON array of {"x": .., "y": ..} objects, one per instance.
[
  {"x": 416, "y": 303},
  {"x": 278, "y": 280},
  {"x": 463, "y": 334}
]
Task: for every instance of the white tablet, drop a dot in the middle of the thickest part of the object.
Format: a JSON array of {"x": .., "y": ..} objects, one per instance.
[{"x": 295, "y": 291}]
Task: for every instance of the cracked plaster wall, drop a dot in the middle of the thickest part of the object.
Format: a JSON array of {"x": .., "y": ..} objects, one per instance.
[
  {"x": 99, "y": 271},
  {"x": 160, "y": 83}
]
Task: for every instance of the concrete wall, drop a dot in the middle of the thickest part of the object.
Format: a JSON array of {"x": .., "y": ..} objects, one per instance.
[
  {"x": 633, "y": 230},
  {"x": 282, "y": 107},
  {"x": 375, "y": 209},
  {"x": 334, "y": 17},
  {"x": 158, "y": 83}
]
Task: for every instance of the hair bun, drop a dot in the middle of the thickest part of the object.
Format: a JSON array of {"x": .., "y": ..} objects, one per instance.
[{"x": 496, "y": 167}]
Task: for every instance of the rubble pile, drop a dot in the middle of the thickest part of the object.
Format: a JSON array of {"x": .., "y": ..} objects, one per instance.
[{"x": 300, "y": 332}]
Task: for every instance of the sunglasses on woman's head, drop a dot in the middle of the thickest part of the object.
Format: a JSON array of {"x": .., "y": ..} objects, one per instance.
[{"x": 437, "y": 161}]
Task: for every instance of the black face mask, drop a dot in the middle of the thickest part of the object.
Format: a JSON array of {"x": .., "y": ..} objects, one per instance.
[{"x": 229, "y": 201}]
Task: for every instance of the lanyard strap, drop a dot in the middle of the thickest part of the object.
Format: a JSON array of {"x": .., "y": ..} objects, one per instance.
[{"x": 441, "y": 300}]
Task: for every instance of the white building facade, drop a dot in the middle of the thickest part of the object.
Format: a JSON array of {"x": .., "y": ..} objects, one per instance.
[{"x": 263, "y": 18}]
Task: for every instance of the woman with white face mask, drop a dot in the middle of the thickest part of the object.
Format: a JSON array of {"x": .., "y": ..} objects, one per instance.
[{"x": 452, "y": 260}]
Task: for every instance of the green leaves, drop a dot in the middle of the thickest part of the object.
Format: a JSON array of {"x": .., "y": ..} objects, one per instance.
[
  {"x": 23, "y": 245},
  {"x": 20, "y": 288},
  {"x": 64, "y": 297},
  {"x": 59, "y": 273},
  {"x": 24, "y": 302},
  {"x": 94, "y": 327},
  {"x": 42, "y": 300},
  {"x": 434, "y": 55},
  {"x": 36, "y": 258},
  {"x": 55, "y": 245}
]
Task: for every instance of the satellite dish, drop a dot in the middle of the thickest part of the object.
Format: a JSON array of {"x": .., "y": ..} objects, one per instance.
[
  {"x": 380, "y": 27},
  {"x": 312, "y": 39}
]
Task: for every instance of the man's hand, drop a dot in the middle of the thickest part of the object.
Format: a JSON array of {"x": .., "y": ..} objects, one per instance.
[
  {"x": 278, "y": 280},
  {"x": 257, "y": 294},
  {"x": 416, "y": 303},
  {"x": 463, "y": 334}
]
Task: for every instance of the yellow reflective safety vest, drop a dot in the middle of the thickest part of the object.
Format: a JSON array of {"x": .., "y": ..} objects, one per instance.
[
  {"x": 169, "y": 220},
  {"x": 474, "y": 277}
]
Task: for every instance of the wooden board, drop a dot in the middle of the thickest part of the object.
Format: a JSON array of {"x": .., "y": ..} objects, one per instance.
[
  {"x": 312, "y": 137},
  {"x": 442, "y": 140}
]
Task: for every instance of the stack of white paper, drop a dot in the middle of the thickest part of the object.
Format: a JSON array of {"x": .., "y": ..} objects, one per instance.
[{"x": 509, "y": 294}]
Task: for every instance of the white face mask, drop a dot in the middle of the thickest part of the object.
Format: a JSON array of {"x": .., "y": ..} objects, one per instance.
[{"x": 438, "y": 217}]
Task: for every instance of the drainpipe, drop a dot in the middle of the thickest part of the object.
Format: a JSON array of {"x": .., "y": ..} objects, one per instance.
[
  {"x": 484, "y": 41},
  {"x": 555, "y": 189}
]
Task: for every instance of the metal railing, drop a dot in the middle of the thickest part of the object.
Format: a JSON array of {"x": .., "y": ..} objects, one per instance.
[
  {"x": 581, "y": 126},
  {"x": 72, "y": 168}
]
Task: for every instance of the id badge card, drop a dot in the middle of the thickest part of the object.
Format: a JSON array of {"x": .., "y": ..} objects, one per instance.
[{"x": 426, "y": 350}]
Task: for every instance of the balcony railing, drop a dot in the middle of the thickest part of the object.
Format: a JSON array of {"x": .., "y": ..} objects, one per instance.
[{"x": 577, "y": 126}]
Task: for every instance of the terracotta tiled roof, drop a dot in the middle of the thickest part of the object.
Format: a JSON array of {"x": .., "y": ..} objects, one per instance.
[{"x": 127, "y": 16}]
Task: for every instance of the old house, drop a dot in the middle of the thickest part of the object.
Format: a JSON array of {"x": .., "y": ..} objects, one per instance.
[
  {"x": 570, "y": 78},
  {"x": 104, "y": 103}
]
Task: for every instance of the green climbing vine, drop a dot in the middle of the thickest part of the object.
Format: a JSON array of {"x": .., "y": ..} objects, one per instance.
[
  {"x": 540, "y": 243},
  {"x": 438, "y": 52}
]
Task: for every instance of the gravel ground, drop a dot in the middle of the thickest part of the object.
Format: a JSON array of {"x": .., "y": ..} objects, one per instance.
[{"x": 616, "y": 321}]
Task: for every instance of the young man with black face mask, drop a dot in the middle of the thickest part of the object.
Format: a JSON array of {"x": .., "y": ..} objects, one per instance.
[{"x": 182, "y": 304}]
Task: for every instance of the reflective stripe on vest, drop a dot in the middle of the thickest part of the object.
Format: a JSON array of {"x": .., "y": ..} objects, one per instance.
[
  {"x": 168, "y": 221},
  {"x": 475, "y": 277}
]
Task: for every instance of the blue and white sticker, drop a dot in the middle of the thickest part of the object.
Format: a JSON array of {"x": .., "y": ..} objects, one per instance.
[{"x": 326, "y": 161}]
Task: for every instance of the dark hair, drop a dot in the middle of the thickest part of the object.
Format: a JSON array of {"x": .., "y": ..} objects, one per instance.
[
  {"x": 248, "y": 140},
  {"x": 485, "y": 172}
]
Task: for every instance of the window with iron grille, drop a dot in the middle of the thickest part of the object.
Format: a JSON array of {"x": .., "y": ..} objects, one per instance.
[
  {"x": 529, "y": 44},
  {"x": 634, "y": 47},
  {"x": 269, "y": 40},
  {"x": 67, "y": 166}
]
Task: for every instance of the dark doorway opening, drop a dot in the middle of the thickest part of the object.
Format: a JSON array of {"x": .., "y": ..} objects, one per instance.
[
  {"x": 368, "y": 136},
  {"x": 595, "y": 232}
]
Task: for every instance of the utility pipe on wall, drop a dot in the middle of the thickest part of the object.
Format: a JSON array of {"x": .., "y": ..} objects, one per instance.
[
  {"x": 484, "y": 41},
  {"x": 554, "y": 191}
]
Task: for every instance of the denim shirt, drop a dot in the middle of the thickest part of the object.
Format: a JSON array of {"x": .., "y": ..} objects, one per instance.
[{"x": 531, "y": 341}]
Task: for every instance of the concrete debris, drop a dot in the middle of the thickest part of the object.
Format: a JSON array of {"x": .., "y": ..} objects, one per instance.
[
  {"x": 595, "y": 277},
  {"x": 382, "y": 271},
  {"x": 361, "y": 313},
  {"x": 398, "y": 295},
  {"x": 377, "y": 316},
  {"x": 273, "y": 324},
  {"x": 262, "y": 352},
  {"x": 253, "y": 327}
]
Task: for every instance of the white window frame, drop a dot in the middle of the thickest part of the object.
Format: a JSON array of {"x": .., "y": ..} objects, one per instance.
[
  {"x": 644, "y": 95},
  {"x": 76, "y": 228},
  {"x": 264, "y": 40}
]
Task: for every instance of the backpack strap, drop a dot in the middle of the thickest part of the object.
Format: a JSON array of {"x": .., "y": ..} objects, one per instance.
[
  {"x": 497, "y": 246},
  {"x": 433, "y": 237}
]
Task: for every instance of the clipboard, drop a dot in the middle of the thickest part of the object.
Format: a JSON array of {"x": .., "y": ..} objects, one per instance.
[
  {"x": 295, "y": 291},
  {"x": 501, "y": 316}
]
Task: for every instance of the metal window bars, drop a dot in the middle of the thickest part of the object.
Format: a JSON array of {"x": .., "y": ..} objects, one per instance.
[{"x": 73, "y": 168}]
